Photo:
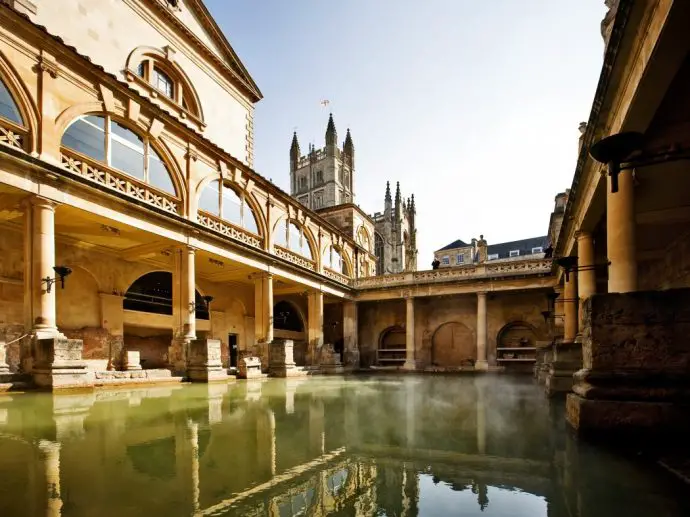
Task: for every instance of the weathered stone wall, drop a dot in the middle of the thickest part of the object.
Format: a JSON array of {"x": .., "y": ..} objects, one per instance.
[
  {"x": 153, "y": 348},
  {"x": 435, "y": 315},
  {"x": 670, "y": 271}
]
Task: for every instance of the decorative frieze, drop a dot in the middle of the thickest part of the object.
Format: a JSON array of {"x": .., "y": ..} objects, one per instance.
[
  {"x": 294, "y": 258},
  {"x": 334, "y": 275},
  {"x": 229, "y": 230},
  {"x": 119, "y": 182},
  {"x": 11, "y": 136}
]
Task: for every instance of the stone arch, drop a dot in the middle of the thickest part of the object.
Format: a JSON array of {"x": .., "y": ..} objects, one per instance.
[
  {"x": 23, "y": 99},
  {"x": 153, "y": 292},
  {"x": 391, "y": 346},
  {"x": 453, "y": 345},
  {"x": 169, "y": 65},
  {"x": 345, "y": 256},
  {"x": 70, "y": 115},
  {"x": 311, "y": 239},
  {"x": 252, "y": 200},
  {"x": 292, "y": 319},
  {"x": 363, "y": 233},
  {"x": 517, "y": 334}
]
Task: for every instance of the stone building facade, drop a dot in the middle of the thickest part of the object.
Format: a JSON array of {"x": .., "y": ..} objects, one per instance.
[{"x": 136, "y": 237}]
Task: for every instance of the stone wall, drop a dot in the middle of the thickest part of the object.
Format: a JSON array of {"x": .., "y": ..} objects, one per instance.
[
  {"x": 434, "y": 314},
  {"x": 672, "y": 270},
  {"x": 636, "y": 358}
]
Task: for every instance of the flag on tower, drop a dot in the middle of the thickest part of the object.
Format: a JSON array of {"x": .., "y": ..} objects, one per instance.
[{"x": 325, "y": 102}]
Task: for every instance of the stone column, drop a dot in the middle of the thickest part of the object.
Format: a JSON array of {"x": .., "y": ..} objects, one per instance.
[
  {"x": 26, "y": 359},
  {"x": 315, "y": 330},
  {"x": 184, "y": 314},
  {"x": 50, "y": 453},
  {"x": 263, "y": 308},
  {"x": 188, "y": 277},
  {"x": 586, "y": 274},
  {"x": 620, "y": 234},
  {"x": 409, "y": 335},
  {"x": 350, "y": 335},
  {"x": 43, "y": 261},
  {"x": 481, "y": 363},
  {"x": 570, "y": 304},
  {"x": 558, "y": 312}
]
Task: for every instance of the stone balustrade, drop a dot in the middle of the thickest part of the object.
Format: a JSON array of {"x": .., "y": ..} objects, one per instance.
[{"x": 470, "y": 272}]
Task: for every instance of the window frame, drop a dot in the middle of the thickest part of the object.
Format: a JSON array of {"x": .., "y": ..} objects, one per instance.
[
  {"x": 513, "y": 253},
  {"x": 244, "y": 205},
  {"x": 537, "y": 249},
  {"x": 108, "y": 134},
  {"x": 445, "y": 260},
  {"x": 460, "y": 258},
  {"x": 493, "y": 256}
]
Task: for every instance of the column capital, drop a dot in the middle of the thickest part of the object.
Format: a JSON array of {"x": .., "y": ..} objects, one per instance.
[
  {"x": 583, "y": 234},
  {"x": 260, "y": 275},
  {"x": 40, "y": 201},
  {"x": 482, "y": 293}
]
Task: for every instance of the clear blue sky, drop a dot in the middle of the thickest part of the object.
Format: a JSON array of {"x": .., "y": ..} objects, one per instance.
[{"x": 472, "y": 105}]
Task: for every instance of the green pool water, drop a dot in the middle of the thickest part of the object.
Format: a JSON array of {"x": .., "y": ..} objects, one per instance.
[{"x": 358, "y": 446}]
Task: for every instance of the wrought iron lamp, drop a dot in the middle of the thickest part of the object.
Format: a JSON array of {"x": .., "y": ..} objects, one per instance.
[
  {"x": 568, "y": 264},
  {"x": 61, "y": 272},
  {"x": 624, "y": 151},
  {"x": 206, "y": 305}
]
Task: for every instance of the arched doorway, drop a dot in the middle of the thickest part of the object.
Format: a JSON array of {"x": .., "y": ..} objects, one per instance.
[
  {"x": 289, "y": 324},
  {"x": 148, "y": 326},
  {"x": 516, "y": 346},
  {"x": 453, "y": 345},
  {"x": 392, "y": 347}
]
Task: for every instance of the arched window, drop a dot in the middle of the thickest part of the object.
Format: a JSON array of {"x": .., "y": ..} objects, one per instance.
[
  {"x": 8, "y": 108},
  {"x": 163, "y": 78},
  {"x": 109, "y": 142},
  {"x": 378, "y": 251},
  {"x": 292, "y": 237},
  {"x": 333, "y": 259},
  {"x": 153, "y": 293},
  {"x": 222, "y": 201}
]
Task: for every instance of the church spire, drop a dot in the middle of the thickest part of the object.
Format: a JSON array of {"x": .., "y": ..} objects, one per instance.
[
  {"x": 294, "y": 152},
  {"x": 349, "y": 149},
  {"x": 398, "y": 202},
  {"x": 388, "y": 201},
  {"x": 331, "y": 134}
]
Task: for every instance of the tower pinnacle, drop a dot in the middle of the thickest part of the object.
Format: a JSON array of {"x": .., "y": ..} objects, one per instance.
[{"x": 331, "y": 134}]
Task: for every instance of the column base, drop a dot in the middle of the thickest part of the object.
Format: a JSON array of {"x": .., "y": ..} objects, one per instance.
[
  {"x": 481, "y": 366},
  {"x": 632, "y": 419},
  {"x": 567, "y": 359},
  {"x": 177, "y": 355},
  {"x": 410, "y": 365},
  {"x": 282, "y": 363},
  {"x": 204, "y": 363},
  {"x": 58, "y": 364}
]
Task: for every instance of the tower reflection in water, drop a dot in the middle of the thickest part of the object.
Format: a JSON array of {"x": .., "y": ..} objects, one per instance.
[{"x": 393, "y": 446}]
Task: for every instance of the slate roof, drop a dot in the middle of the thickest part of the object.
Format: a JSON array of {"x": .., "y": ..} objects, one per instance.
[
  {"x": 525, "y": 246},
  {"x": 455, "y": 244}
]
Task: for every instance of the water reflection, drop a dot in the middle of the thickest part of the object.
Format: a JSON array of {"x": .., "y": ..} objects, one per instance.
[{"x": 387, "y": 446}]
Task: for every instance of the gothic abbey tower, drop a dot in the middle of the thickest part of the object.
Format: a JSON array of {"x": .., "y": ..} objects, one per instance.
[
  {"x": 323, "y": 180},
  {"x": 396, "y": 234},
  {"x": 324, "y": 177}
]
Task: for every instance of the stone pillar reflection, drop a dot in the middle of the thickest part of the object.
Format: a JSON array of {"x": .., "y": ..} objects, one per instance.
[
  {"x": 481, "y": 420},
  {"x": 315, "y": 330},
  {"x": 187, "y": 461},
  {"x": 317, "y": 440},
  {"x": 586, "y": 274},
  {"x": 620, "y": 234},
  {"x": 266, "y": 438},
  {"x": 193, "y": 436},
  {"x": 410, "y": 363},
  {"x": 43, "y": 262},
  {"x": 481, "y": 363},
  {"x": 570, "y": 304},
  {"x": 50, "y": 453}
]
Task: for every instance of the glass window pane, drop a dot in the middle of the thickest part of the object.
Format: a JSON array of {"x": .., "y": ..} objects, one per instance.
[
  {"x": 162, "y": 82},
  {"x": 326, "y": 258},
  {"x": 279, "y": 235},
  {"x": 126, "y": 159},
  {"x": 306, "y": 250},
  {"x": 294, "y": 237},
  {"x": 141, "y": 68},
  {"x": 87, "y": 136},
  {"x": 119, "y": 132},
  {"x": 8, "y": 108},
  {"x": 250, "y": 220},
  {"x": 159, "y": 176},
  {"x": 209, "y": 199},
  {"x": 232, "y": 206}
]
